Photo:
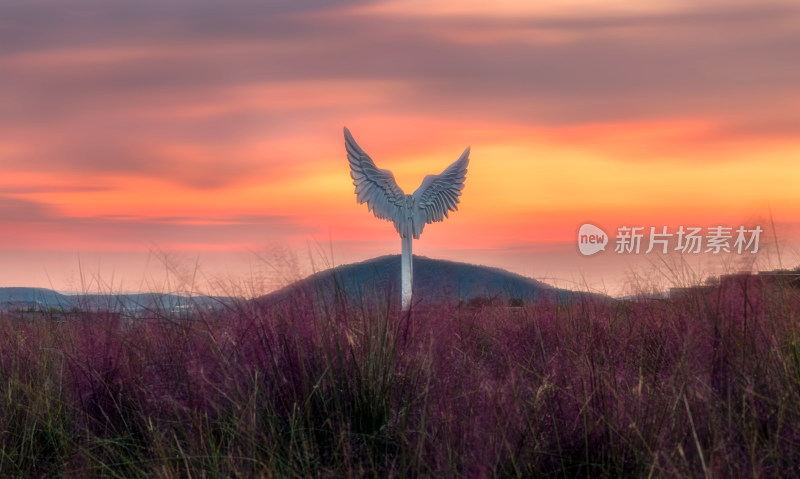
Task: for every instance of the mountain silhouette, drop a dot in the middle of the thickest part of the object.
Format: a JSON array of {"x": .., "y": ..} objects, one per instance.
[
  {"x": 435, "y": 281},
  {"x": 375, "y": 280},
  {"x": 42, "y": 299}
]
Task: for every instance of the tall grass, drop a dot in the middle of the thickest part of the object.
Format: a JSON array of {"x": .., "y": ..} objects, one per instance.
[{"x": 702, "y": 385}]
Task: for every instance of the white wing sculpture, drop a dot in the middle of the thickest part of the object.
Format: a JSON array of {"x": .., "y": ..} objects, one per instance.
[{"x": 432, "y": 201}]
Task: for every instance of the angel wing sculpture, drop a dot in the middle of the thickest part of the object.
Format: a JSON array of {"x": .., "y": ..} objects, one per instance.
[{"x": 436, "y": 197}]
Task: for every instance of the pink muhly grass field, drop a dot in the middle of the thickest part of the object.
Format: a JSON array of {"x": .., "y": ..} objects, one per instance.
[{"x": 706, "y": 384}]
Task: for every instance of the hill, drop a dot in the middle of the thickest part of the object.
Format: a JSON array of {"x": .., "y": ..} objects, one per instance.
[{"x": 435, "y": 281}]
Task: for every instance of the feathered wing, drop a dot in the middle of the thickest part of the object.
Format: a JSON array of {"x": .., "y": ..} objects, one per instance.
[
  {"x": 375, "y": 187},
  {"x": 438, "y": 194}
]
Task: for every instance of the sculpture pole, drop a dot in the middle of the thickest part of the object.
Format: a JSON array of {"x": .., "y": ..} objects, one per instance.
[
  {"x": 432, "y": 201},
  {"x": 406, "y": 274}
]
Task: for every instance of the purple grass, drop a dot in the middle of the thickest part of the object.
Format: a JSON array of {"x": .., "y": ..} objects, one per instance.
[{"x": 704, "y": 384}]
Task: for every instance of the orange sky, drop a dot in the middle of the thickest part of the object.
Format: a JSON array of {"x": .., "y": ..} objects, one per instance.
[{"x": 212, "y": 134}]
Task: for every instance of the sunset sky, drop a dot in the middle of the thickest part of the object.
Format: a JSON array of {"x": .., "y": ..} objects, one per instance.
[{"x": 210, "y": 134}]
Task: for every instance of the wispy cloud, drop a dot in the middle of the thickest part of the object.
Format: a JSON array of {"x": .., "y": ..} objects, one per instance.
[
  {"x": 31, "y": 225},
  {"x": 14, "y": 210}
]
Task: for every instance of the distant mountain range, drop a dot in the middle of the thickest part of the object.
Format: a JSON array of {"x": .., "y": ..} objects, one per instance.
[
  {"x": 42, "y": 299},
  {"x": 435, "y": 281}
]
